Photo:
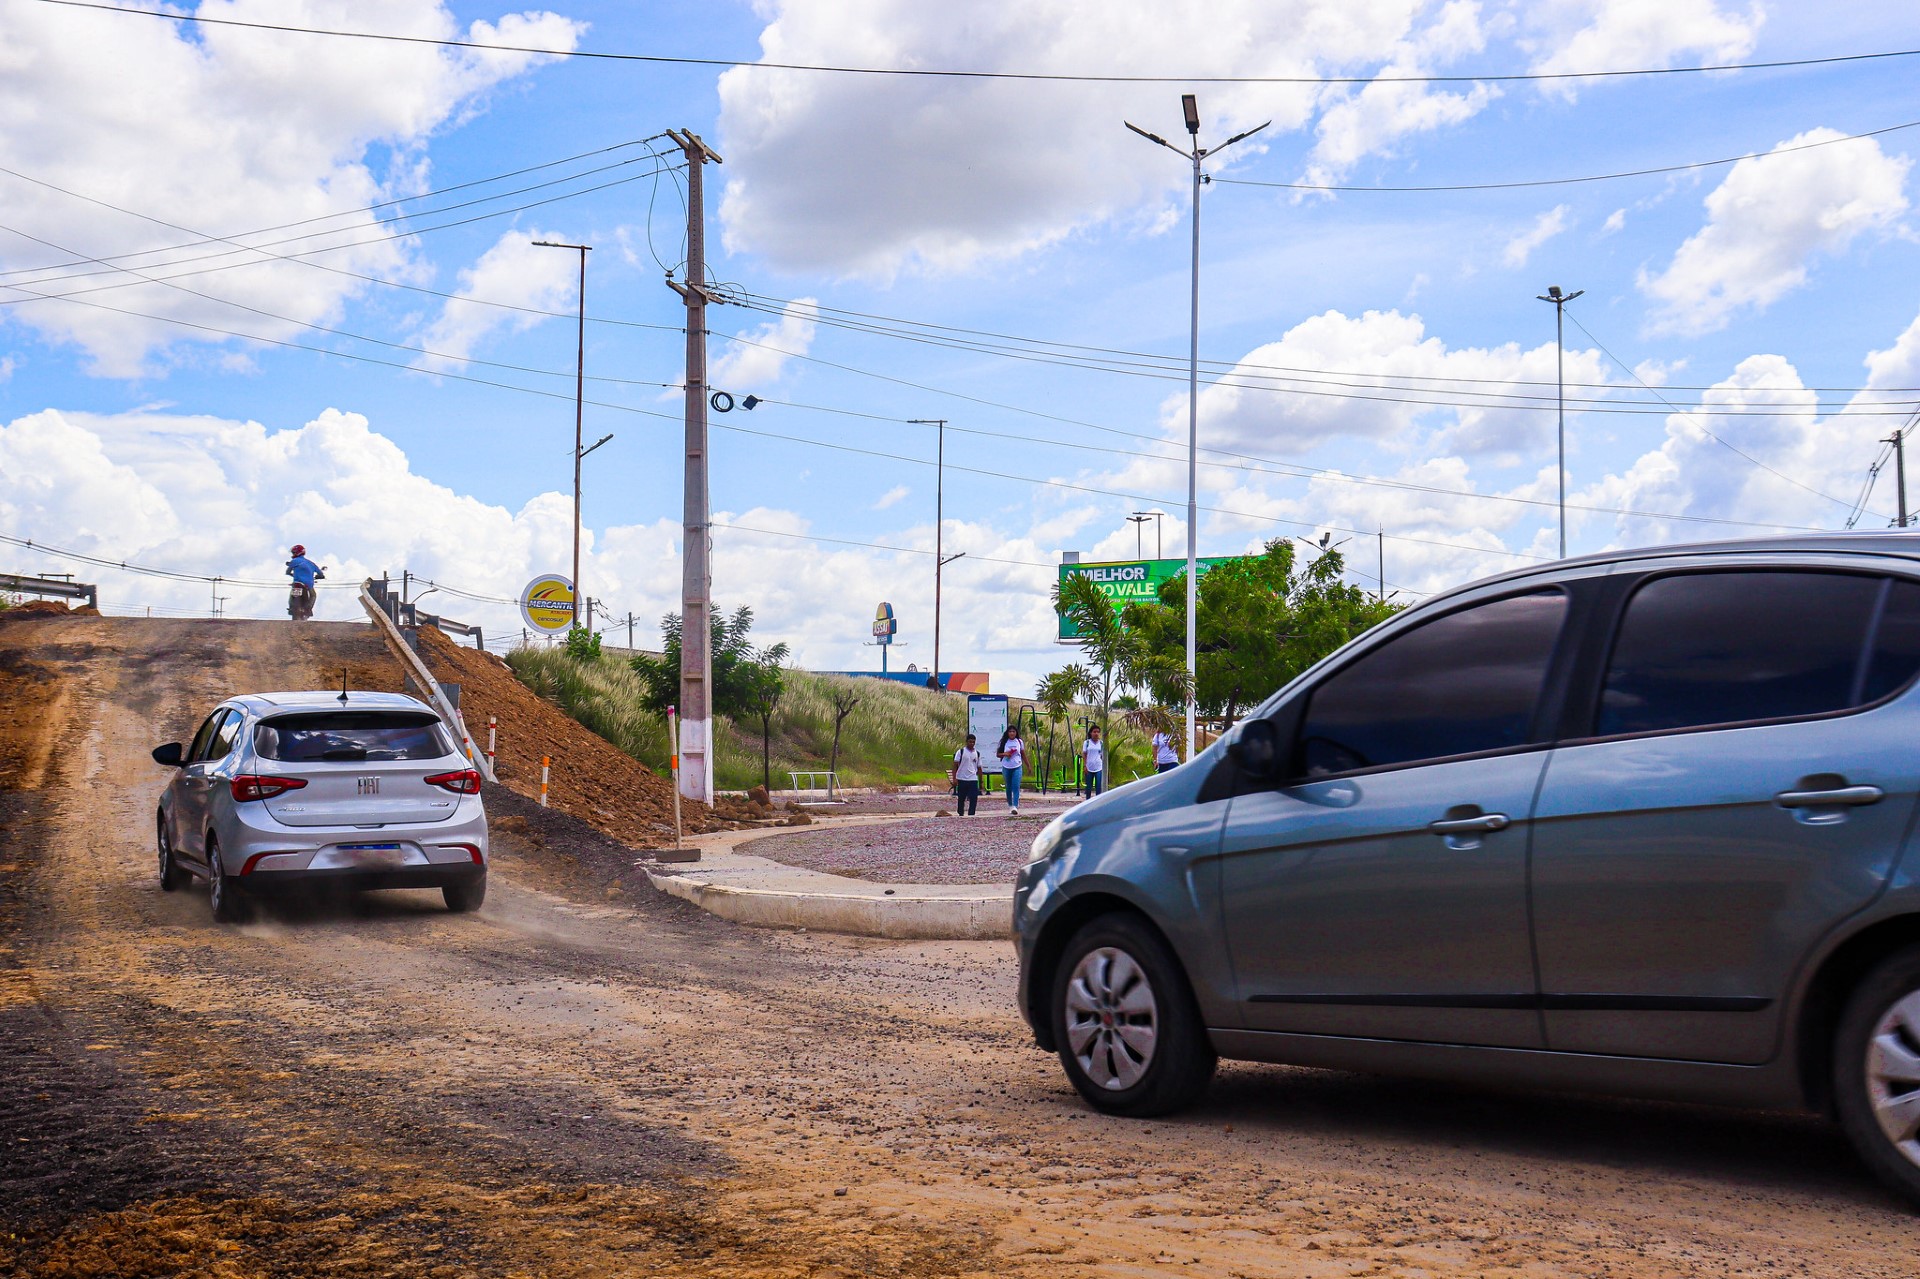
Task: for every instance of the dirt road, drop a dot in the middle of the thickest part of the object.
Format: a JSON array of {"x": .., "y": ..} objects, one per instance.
[{"x": 586, "y": 1079}]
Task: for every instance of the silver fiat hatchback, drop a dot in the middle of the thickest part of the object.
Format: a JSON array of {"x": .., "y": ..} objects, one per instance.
[{"x": 283, "y": 791}]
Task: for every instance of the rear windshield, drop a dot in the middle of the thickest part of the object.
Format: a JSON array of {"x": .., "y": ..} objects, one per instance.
[{"x": 352, "y": 736}]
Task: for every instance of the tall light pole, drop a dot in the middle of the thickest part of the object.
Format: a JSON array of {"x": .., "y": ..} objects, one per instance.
[
  {"x": 939, "y": 524},
  {"x": 1191, "y": 109},
  {"x": 579, "y": 410},
  {"x": 1560, "y": 300}
]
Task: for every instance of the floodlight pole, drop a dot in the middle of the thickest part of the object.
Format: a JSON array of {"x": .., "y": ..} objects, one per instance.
[
  {"x": 1190, "y": 109},
  {"x": 939, "y": 524},
  {"x": 1560, "y": 300},
  {"x": 579, "y": 408}
]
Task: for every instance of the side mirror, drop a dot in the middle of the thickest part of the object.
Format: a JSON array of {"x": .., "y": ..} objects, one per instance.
[
  {"x": 1256, "y": 751},
  {"x": 172, "y": 755}
]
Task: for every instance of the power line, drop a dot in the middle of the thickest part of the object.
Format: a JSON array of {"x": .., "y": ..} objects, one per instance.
[
  {"x": 951, "y": 74},
  {"x": 1558, "y": 182}
]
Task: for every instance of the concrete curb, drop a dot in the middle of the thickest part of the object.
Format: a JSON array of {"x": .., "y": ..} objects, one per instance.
[
  {"x": 768, "y": 894},
  {"x": 899, "y": 917}
]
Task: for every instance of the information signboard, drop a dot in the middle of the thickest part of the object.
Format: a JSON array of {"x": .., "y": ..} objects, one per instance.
[{"x": 986, "y": 720}]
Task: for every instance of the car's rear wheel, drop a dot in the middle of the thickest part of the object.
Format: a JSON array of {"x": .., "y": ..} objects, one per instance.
[
  {"x": 230, "y": 905},
  {"x": 1129, "y": 1032},
  {"x": 1876, "y": 1071},
  {"x": 462, "y": 898},
  {"x": 172, "y": 876}
]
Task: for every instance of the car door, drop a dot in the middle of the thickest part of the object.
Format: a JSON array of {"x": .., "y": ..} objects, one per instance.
[
  {"x": 1381, "y": 892},
  {"x": 186, "y": 813},
  {"x": 211, "y": 746},
  {"x": 1747, "y": 780}
]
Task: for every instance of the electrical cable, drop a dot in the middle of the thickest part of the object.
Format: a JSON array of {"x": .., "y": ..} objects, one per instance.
[
  {"x": 941, "y": 73},
  {"x": 1557, "y": 182}
]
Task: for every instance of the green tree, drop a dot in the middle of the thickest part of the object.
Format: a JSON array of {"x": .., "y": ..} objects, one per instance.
[
  {"x": 763, "y": 684},
  {"x": 1262, "y": 620},
  {"x": 583, "y": 645},
  {"x": 734, "y": 658},
  {"x": 1118, "y": 656}
]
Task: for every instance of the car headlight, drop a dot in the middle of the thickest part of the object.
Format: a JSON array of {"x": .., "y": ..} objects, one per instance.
[{"x": 1049, "y": 839}]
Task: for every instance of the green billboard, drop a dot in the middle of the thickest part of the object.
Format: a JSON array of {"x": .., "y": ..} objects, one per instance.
[{"x": 1129, "y": 581}]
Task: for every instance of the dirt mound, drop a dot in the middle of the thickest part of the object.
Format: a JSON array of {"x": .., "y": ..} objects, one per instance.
[
  {"x": 43, "y": 608},
  {"x": 591, "y": 778}
]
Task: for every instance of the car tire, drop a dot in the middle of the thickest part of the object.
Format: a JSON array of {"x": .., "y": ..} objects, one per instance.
[
  {"x": 1130, "y": 1034},
  {"x": 1876, "y": 1071},
  {"x": 172, "y": 875},
  {"x": 462, "y": 898},
  {"x": 230, "y": 905}
]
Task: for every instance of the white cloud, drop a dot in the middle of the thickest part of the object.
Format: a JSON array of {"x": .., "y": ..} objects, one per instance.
[
  {"x": 1384, "y": 379},
  {"x": 891, "y": 497},
  {"x": 224, "y": 130},
  {"x": 514, "y": 271},
  {"x": 1549, "y": 224},
  {"x": 873, "y": 174},
  {"x": 749, "y": 365},
  {"x": 1768, "y": 220},
  {"x": 1615, "y": 221},
  {"x": 1606, "y": 35}
]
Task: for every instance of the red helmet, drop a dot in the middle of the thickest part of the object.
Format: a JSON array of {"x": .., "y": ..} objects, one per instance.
[{"x": 299, "y": 550}]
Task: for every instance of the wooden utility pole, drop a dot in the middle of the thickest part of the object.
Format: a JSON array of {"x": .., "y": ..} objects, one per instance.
[{"x": 696, "y": 577}]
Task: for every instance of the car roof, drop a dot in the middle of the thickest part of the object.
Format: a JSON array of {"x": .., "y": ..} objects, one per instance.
[
  {"x": 1905, "y": 545},
  {"x": 356, "y": 700}
]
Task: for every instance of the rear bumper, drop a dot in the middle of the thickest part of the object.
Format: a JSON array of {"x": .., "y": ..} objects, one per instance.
[{"x": 355, "y": 879}]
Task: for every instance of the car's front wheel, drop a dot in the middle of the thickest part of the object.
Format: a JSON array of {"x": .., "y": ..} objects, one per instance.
[
  {"x": 462, "y": 898},
  {"x": 1876, "y": 1071},
  {"x": 172, "y": 876},
  {"x": 1129, "y": 1032},
  {"x": 230, "y": 905}
]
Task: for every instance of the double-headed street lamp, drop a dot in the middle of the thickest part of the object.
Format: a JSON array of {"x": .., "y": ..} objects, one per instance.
[
  {"x": 1191, "y": 109},
  {"x": 1560, "y": 300}
]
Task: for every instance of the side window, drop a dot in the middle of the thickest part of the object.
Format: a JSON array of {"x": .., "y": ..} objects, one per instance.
[
  {"x": 1461, "y": 683},
  {"x": 223, "y": 736},
  {"x": 1730, "y": 648},
  {"x": 1896, "y": 646},
  {"x": 198, "y": 750}
]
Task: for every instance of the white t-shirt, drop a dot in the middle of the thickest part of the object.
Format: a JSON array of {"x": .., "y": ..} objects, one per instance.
[
  {"x": 1163, "y": 752},
  {"x": 1013, "y": 754},
  {"x": 1095, "y": 754},
  {"x": 966, "y": 765}
]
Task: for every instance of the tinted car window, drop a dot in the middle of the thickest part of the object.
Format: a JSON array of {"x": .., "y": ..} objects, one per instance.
[
  {"x": 352, "y": 736},
  {"x": 1726, "y": 648},
  {"x": 197, "y": 751},
  {"x": 1462, "y": 683},
  {"x": 1896, "y": 648},
  {"x": 223, "y": 736}
]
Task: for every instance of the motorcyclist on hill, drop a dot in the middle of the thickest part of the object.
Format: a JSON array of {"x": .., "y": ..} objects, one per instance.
[{"x": 304, "y": 572}]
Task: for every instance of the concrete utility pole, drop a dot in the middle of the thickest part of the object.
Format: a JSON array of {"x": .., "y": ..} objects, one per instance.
[
  {"x": 1190, "y": 108},
  {"x": 1560, "y": 300},
  {"x": 1899, "y": 441},
  {"x": 696, "y": 574},
  {"x": 579, "y": 408}
]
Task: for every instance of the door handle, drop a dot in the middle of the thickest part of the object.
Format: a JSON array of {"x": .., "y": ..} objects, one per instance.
[
  {"x": 1837, "y": 797},
  {"x": 1470, "y": 825}
]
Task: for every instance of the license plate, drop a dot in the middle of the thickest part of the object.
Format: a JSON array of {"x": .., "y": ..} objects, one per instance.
[{"x": 369, "y": 848}]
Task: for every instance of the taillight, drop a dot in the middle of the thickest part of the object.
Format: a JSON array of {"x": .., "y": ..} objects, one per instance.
[
  {"x": 464, "y": 782},
  {"x": 247, "y": 786}
]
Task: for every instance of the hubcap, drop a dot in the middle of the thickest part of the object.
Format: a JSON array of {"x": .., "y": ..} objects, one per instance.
[
  {"x": 1893, "y": 1075},
  {"x": 1113, "y": 1022}
]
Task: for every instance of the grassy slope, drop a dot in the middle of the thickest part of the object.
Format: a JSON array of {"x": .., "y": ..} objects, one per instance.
[{"x": 897, "y": 734}]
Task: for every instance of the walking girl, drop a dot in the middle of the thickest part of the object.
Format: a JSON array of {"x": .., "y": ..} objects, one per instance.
[
  {"x": 966, "y": 779},
  {"x": 1093, "y": 753},
  {"x": 1165, "y": 758},
  {"x": 1013, "y": 758}
]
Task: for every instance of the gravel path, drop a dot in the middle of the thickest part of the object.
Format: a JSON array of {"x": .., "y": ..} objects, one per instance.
[{"x": 985, "y": 849}]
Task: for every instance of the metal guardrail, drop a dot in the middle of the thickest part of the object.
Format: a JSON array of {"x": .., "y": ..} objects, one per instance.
[
  {"x": 409, "y": 616},
  {"x": 66, "y": 588}
]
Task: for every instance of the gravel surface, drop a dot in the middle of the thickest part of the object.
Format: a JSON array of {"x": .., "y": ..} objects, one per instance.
[{"x": 985, "y": 849}]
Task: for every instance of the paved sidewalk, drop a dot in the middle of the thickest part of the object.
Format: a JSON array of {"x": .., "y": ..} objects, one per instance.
[{"x": 729, "y": 881}]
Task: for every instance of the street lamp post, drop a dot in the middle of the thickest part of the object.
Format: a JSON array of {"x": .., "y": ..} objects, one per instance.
[
  {"x": 1190, "y": 108},
  {"x": 579, "y": 409},
  {"x": 1560, "y": 300},
  {"x": 939, "y": 524}
]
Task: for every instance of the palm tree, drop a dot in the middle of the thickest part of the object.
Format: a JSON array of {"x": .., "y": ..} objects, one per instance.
[{"x": 1118, "y": 657}]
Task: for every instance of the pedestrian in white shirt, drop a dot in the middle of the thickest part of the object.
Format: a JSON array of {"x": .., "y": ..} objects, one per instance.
[
  {"x": 966, "y": 779},
  {"x": 1013, "y": 758},
  {"x": 1165, "y": 758},
  {"x": 1093, "y": 753}
]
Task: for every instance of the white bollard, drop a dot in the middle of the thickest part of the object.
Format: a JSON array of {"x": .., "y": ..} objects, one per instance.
[
  {"x": 492, "y": 725},
  {"x": 546, "y": 763}
]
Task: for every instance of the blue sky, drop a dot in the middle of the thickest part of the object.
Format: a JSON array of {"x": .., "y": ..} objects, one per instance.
[{"x": 1007, "y": 208}]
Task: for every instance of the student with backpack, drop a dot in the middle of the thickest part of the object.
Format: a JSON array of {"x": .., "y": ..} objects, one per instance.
[{"x": 965, "y": 776}]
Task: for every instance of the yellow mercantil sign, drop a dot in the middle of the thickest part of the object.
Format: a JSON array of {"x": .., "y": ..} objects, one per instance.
[{"x": 547, "y": 603}]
